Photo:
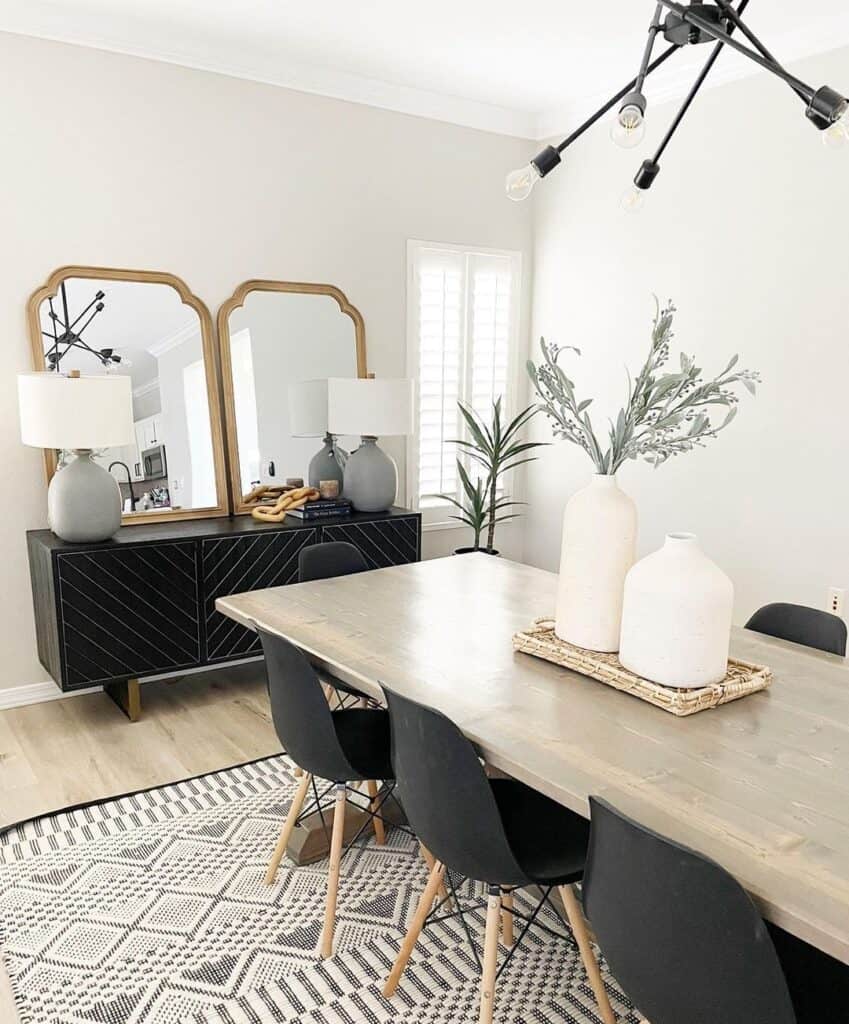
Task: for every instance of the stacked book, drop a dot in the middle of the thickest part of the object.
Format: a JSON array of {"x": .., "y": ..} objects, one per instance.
[{"x": 324, "y": 508}]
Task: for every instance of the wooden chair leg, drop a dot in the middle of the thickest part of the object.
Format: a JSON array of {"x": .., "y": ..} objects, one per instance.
[
  {"x": 579, "y": 930},
  {"x": 299, "y": 772},
  {"x": 507, "y": 918},
  {"x": 377, "y": 822},
  {"x": 490, "y": 954},
  {"x": 333, "y": 872},
  {"x": 422, "y": 910},
  {"x": 430, "y": 860},
  {"x": 288, "y": 826}
]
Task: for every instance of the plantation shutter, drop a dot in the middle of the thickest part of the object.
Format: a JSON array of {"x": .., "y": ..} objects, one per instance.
[
  {"x": 462, "y": 336},
  {"x": 440, "y": 293}
]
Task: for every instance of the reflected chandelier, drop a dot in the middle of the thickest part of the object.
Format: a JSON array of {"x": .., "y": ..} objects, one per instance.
[{"x": 686, "y": 25}]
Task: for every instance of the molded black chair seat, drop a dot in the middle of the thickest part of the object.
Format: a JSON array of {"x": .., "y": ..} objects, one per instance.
[
  {"x": 548, "y": 841},
  {"x": 799, "y": 624},
  {"x": 681, "y": 935},
  {"x": 364, "y": 737},
  {"x": 497, "y": 831},
  {"x": 342, "y": 746}
]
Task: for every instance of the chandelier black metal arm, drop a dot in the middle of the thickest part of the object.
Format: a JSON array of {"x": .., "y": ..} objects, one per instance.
[
  {"x": 768, "y": 63},
  {"x": 650, "y": 169},
  {"x": 547, "y": 159},
  {"x": 687, "y": 24},
  {"x": 71, "y": 337}
]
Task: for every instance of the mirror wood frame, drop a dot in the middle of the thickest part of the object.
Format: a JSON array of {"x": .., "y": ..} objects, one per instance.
[
  {"x": 210, "y": 357},
  {"x": 236, "y": 300}
]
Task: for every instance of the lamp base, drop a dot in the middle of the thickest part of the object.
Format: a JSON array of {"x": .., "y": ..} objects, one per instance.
[
  {"x": 83, "y": 501},
  {"x": 371, "y": 478},
  {"x": 323, "y": 465}
]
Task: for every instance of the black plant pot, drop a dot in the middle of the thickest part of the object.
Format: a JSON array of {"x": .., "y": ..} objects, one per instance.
[{"x": 483, "y": 551}]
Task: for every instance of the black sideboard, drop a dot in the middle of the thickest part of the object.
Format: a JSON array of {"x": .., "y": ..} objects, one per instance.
[{"x": 143, "y": 603}]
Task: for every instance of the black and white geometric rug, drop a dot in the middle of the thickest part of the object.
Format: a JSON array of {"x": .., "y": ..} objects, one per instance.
[{"x": 151, "y": 909}]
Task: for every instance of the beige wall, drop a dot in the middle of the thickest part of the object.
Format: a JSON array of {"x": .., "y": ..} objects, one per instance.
[
  {"x": 746, "y": 228},
  {"x": 115, "y": 161}
]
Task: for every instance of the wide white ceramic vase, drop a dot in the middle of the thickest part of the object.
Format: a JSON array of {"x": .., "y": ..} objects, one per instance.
[
  {"x": 598, "y": 549},
  {"x": 676, "y": 617}
]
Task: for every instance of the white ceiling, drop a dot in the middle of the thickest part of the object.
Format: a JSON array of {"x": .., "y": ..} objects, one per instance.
[{"x": 523, "y": 67}]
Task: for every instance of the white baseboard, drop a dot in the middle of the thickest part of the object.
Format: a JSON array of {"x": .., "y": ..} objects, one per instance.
[{"x": 36, "y": 693}]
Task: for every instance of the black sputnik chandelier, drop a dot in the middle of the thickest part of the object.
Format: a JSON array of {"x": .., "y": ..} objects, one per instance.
[
  {"x": 686, "y": 25},
  {"x": 66, "y": 334}
]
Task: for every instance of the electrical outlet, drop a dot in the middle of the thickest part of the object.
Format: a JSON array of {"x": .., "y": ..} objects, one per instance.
[{"x": 836, "y": 600}]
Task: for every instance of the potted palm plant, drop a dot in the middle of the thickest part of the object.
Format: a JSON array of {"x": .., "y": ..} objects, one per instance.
[{"x": 493, "y": 449}]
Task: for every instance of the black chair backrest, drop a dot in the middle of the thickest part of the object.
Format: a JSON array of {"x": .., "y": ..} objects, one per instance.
[
  {"x": 302, "y": 718},
  {"x": 801, "y": 625},
  {"x": 446, "y": 795},
  {"x": 680, "y": 934},
  {"x": 333, "y": 558}
]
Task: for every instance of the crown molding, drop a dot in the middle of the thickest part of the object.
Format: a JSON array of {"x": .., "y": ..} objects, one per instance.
[
  {"x": 308, "y": 78},
  {"x": 812, "y": 36},
  {"x": 146, "y": 389},
  {"x": 159, "y": 348}
]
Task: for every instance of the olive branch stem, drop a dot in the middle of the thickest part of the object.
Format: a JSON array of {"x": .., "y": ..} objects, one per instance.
[{"x": 666, "y": 413}]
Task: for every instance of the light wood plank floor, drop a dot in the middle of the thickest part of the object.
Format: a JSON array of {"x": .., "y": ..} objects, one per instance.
[{"x": 71, "y": 751}]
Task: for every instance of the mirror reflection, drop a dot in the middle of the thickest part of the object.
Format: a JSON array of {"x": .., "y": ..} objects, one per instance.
[
  {"x": 143, "y": 330},
  {"x": 281, "y": 345}
]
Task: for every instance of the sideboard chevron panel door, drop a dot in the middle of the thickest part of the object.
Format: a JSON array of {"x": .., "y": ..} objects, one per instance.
[
  {"x": 127, "y": 611},
  {"x": 382, "y": 542},
  {"x": 232, "y": 565}
]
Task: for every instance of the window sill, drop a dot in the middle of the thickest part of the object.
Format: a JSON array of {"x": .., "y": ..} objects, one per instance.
[{"x": 439, "y": 527}]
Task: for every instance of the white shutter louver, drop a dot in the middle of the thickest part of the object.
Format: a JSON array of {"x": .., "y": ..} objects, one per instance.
[{"x": 462, "y": 315}]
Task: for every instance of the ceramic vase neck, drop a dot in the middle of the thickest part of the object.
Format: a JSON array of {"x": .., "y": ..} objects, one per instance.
[
  {"x": 603, "y": 481},
  {"x": 681, "y": 543}
]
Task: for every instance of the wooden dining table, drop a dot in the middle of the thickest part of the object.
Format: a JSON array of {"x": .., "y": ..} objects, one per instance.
[{"x": 761, "y": 785}]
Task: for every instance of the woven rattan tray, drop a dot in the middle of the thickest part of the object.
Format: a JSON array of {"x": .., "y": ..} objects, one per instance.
[{"x": 741, "y": 680}]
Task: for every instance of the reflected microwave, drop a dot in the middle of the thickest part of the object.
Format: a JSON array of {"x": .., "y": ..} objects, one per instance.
[{"x": 154, "y": 464}]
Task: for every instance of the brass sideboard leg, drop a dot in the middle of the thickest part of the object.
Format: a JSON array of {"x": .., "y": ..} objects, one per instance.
[{"x": 127, "y": 696}]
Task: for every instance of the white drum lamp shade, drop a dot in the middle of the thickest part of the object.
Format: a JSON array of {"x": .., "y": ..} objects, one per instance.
[
  {"x": 308, "y": 408},
  {"x": 370, "y": 407},
  {"x": 79, "y": 413},
  {"x": 75, "y": 412}
]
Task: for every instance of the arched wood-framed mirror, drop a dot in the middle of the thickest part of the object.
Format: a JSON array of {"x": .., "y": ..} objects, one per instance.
[
  {"x": 272, "y": 335},
  {"x": 148, "y": 325}
]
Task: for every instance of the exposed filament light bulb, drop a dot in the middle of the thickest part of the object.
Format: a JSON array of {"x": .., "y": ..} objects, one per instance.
[
  {"x": 633, "y": 199},
  {"x": 628, "y": 127},
  {"x": 836, "y": 136},
  {"x": 520, "y": 183}
]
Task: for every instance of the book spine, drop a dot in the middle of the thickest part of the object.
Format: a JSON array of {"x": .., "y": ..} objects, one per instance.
[{"x": 319, "y": 514}]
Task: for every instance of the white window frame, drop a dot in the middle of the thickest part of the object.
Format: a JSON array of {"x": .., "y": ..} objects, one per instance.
[{"x": 437, "y": 517}]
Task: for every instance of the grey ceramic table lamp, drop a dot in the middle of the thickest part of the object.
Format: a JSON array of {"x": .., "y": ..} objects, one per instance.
[
  {"x": 308, "y": 418},
  {"x": 78, "y": 413},
  {"x": 371, "y": 408}
]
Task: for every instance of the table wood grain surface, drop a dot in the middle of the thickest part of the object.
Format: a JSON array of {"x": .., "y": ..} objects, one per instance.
[{"x": 761, "y": 785}]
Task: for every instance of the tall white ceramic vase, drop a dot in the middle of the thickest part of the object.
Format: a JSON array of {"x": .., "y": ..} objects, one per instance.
[
  {"x": 598, "y": 549},
  {"x": 676, "y": 619}
]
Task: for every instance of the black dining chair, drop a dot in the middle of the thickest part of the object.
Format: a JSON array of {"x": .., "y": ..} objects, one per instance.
[
  {"x": 801, "y": 625},
  {"x": 343, "y": 746},
  {"x": 325, "y": 561},
  {"x": 681, "y": 936},
  {"x": 331, "y": 558},
  {"x": 496, "y": 831}
]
